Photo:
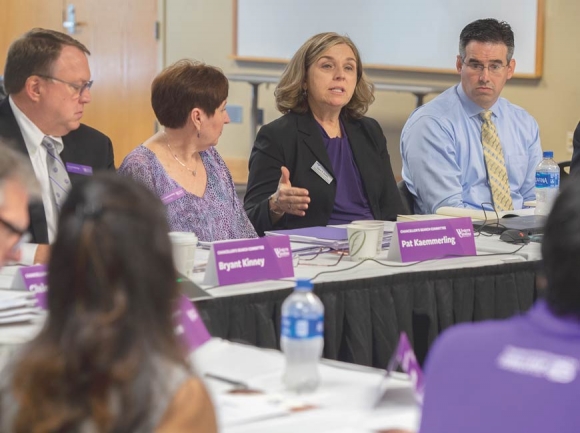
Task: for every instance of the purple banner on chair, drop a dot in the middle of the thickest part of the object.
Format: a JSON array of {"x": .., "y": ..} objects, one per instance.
[
  {"x": 432, "y": 239},
  {"x": 246, "y": 260},
  {"x": 34, "y": 278},
  {"x": 189, "y": 326}
]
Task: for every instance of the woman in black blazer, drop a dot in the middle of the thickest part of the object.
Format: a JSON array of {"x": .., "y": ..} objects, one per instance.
[{"x": 322, "y": 162}]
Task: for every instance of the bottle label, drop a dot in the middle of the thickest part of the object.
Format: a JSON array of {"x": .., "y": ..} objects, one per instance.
[
  {"x": 293, "y": 327},
  {"x": 547, "y": 180}
]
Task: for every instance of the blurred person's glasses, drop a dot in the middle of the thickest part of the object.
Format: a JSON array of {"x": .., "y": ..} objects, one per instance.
[
  {"x": 478, "y": 68},
  {"x": 78, "y": 88},
  {"x": 22, "y": 236}
]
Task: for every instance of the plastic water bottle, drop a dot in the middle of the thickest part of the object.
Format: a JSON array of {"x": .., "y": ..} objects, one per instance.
[
  {"x": 302, "y": 337},
  {"x": 547, "y": 184}
]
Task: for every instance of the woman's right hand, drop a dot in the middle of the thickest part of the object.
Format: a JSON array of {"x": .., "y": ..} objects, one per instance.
[{"x": 287, "y": 199}]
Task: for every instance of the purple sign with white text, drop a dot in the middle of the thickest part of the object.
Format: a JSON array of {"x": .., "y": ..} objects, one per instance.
[
  {"x": 404, "y": 357},
  {"x": 432, "y": 239},
  {"x": 189, "y": 328},
  {"x": 246, "y": 260},
  {"x": 34, "y": 278}
]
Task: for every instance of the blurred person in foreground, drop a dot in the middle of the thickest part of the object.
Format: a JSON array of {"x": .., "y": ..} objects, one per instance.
[
  {"x": 107, "y": 359},
  {"x": 181, "y": 162},
  {"x": 322, "y": 162},
  {"x": 48, "y": 82},
  {"x": 17, "y": 186},
  {"x": 520, "y": 374}
]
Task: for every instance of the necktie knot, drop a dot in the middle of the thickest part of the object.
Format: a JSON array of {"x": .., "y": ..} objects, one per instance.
[
  {"x": 48, "y": 143},
  {"x": 486, "y": 115}
]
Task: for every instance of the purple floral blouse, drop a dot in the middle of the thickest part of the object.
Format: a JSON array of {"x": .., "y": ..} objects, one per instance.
[{"x": 217, "y": 215}]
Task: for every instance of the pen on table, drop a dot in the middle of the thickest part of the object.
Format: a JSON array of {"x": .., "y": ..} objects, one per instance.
[{"x": 237, "y": 384}]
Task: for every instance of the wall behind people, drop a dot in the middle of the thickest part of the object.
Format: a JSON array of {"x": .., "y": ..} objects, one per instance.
[{"x": 203, "y": 30}]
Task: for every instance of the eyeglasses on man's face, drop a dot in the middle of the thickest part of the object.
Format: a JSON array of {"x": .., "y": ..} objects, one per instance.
[
  {"x": 78, "y": 88},
  {"x": 22, "y": 236},
  {"x": 478, "y": 68}
]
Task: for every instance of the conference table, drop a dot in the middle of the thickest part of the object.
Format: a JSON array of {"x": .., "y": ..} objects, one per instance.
[
  {"x": 350, "y": 398},
  {"x": 368, "y": 304},
  {"x": 366, "y": 307},
  {"x": 255, "y": 80}
]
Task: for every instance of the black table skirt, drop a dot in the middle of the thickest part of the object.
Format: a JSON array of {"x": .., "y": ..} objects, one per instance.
[{"x": 363, "y": 318}]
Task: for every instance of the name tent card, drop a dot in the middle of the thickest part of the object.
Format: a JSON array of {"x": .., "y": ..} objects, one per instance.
[
  {"x": 33, "y": 279},
  {"x": 189, "y": 328},
  {"x": 431, "y": 239},
  {"x": 247, "y": 260},
  {"x": 404, "y": 357}
]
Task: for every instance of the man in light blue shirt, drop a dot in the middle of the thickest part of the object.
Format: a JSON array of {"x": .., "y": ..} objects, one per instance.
[{"x": 441, "y": 147}]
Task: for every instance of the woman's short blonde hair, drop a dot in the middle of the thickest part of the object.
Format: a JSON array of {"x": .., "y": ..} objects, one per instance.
[{"x": 290, "y": 95}]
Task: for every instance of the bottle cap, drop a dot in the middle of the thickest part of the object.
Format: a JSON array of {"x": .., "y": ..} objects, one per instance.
[
  {"x": 548, "y": 154},
  {"x": 303, "y": 285}
]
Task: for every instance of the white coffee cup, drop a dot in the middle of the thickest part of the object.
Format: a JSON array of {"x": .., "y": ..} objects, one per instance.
[
  {"x": 362, "y": 241},
  {"x": 184, "y": 245},
  {"x": 377, "y": 225}
]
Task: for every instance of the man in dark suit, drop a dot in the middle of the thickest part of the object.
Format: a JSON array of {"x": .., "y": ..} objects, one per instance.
[{"x": 47, "y": 79}]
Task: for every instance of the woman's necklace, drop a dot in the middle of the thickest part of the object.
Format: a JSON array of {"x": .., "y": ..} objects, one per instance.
[{"x": 194, "y": 171}]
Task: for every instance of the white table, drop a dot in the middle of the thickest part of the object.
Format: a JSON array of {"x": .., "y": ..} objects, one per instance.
[
  {"x": 368, "y": 305},
  {"x": 344, "y": 400}
]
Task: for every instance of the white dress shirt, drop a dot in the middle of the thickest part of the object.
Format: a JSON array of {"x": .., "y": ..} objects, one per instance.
[{"x": 33, "y": 137}]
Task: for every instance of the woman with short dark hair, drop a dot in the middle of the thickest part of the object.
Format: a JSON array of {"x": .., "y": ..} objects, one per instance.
[
  {"x": 180, "y": 163},
  {"x": 107, "y": 359}
]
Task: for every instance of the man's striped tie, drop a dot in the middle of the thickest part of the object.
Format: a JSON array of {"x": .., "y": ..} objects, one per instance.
[
  {"x": 495, "y": 163},
  {"x": 59, "y": 180}
]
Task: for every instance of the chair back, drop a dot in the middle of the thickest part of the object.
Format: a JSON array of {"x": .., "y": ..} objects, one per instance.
[
  {"x": 407, "y": 197},
  {"x": 564, "y": 171}
]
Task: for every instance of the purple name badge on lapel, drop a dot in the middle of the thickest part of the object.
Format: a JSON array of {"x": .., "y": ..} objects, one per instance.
[
  {"x": 34, "y": 278},
  {"x": 171, "y": 196},
  {"x": 246, "y": 260},
  {"x": 432, "y": 239},
  {"x": 189, "y": 327},
  {"x": 85, "y": 170}
]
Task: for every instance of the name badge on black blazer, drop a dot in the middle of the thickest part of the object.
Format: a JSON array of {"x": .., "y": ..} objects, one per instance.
[{"x": 321, "y": 171}]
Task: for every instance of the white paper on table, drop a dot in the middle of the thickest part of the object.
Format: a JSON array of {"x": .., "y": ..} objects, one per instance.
[{"x": 236, "y": 409}]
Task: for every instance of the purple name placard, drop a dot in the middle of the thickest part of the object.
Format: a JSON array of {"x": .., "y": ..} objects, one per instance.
[
  {"x": 405, "y": 358},
  {"x": 171, "y": 196},
  {"x": 85, "y": 170},
  {"x": 246, "y": 260},
  {"x": 432, "y": 239},
  {"x": 189, "y": 328},
  {"x": 34, "y": 278}
]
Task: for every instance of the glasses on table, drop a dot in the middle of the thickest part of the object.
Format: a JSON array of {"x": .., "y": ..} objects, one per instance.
[
  {"x": 78, "y": 88},
  {"x": 478, "y": 68},
  {"x": 307, "y": 258}
]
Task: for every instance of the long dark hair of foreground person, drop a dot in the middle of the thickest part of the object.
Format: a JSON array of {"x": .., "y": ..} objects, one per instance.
[{"x": 111, "y": 297}]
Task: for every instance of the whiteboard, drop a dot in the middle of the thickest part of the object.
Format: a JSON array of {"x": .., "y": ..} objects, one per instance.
[{"x": 416, "y": 35}]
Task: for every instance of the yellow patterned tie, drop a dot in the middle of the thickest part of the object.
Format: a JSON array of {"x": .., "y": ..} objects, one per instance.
[{"x": 495, "y": 163}]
